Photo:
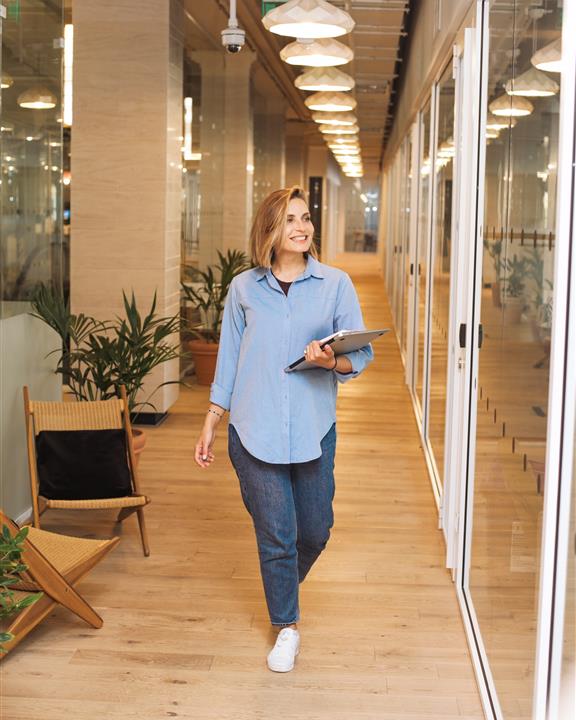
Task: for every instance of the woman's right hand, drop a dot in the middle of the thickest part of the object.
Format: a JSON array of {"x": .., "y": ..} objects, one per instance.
[{"x": 203, "y": 454}]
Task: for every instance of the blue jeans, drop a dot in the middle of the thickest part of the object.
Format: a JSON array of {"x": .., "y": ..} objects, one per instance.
[{"x": 291, "y": 507}]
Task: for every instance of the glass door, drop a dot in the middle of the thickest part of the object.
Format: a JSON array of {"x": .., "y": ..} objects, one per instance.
[
  {"x": 441, "y": 255},
  {"x": 510, "y": 373},
  {"x": 422, "y": 247}
]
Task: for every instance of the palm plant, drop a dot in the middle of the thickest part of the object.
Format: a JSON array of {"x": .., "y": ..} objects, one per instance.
[
  {"x": 11, "y": 569},
  {"x": 209, "y": 295},
  {"x": 515, "y": 272},
  {"x": 97, "y": 357}
]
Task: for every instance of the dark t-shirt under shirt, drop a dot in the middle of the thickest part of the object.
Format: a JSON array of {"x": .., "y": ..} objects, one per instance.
[{"x": 283, "y": 284}]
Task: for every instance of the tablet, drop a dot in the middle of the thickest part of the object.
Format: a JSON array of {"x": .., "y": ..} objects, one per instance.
[{"x": 342, "y": 342}]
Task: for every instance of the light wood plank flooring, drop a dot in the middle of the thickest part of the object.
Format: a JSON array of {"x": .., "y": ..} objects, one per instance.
[{"x": 186, "y": 630}]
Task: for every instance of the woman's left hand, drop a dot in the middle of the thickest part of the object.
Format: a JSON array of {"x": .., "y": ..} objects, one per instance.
[{"x": 323, "y": 358}]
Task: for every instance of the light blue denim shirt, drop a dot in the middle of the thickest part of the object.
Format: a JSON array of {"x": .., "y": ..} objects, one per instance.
[{"x": 282, "y": 417}]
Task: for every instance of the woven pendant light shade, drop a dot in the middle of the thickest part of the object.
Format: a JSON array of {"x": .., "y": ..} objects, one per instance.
[
  {"x": 37, "y": 98},
  {"x": 324, "y": 79},
  {"x": 336, "y": 119},
  {"x": 511, "y": 106},
  {"x": 308, "y": 19},
  {"x": 317, "y": 53},
  {"x": 549, "y": 58},
  {"x": 330, "y": 102},
  {"x": 331, "y": 130},
  {"x": 532, "y": 83}
]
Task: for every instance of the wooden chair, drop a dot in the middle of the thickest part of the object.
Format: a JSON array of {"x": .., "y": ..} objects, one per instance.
[
  {"x": 55, "y": 564},
  {"x": 94, "y": 415}
]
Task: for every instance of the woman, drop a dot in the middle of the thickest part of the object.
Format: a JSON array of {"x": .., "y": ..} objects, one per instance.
[{"x": 282, "y": 431}]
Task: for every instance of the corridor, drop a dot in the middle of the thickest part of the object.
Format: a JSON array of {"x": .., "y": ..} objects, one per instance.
[{"x": 186, "y": 631}]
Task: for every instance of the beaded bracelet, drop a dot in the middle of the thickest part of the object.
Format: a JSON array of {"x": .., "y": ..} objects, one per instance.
[{"x": 215, "y": 413}]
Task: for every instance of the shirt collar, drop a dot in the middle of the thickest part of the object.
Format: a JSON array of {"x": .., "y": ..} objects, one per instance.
[{"x": 313, "y": 267}]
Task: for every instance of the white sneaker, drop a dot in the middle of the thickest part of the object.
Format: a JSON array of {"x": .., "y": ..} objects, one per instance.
[{"x": 281, "y": 657}]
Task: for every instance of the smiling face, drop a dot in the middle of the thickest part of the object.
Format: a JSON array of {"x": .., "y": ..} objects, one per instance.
[{"x": 299, "y": 229}]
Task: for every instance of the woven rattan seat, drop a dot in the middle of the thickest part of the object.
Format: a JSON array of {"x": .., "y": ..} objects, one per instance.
[
  {"x": 55, "y": 564},
  {"x": 94, "y": 415}
]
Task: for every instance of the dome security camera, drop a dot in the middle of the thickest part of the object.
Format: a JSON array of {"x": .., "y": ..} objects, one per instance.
[{"x": 233, "y": 39}]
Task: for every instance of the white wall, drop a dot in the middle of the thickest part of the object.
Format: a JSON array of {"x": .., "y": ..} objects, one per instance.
[{"x": 24, "y": 344}]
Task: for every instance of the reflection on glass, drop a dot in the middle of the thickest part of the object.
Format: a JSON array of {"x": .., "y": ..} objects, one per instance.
[
  {"x": 31, "y": 153},
  {"x": 516, "y": 314},
  {"x": 422, "y": 250},
  {"x": 439, "y": 311},
  {"x": 405, "y": 210},
  {"x": 191, "y": 157}
]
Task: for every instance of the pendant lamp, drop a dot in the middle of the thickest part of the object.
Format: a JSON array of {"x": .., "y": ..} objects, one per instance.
[
  {"x": 511, "y": 106},
  {"x": 532, "y": 83},
  {"x": 324, "y": 79},
  {"x": 344, "y": 150},
  {"x": 7, "y": 81},
  {"x": 316, "y": 53},
  {"x": 331, "y": 130},
  {"x": 337, "y": 119},
  {"x": 330, "y": 102},
  {"x": 37, "y": 98},
  {"x": 344, "y": 141},
  {"x": 308, "y": 19},
  {"x": 549, "y": 58},
  {"x": 495, "y": 123}
]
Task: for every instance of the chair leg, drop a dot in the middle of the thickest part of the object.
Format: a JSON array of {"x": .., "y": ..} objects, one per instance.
[
  {"x": 143, "y": 531},
  {"x": 125, "y": 513}
]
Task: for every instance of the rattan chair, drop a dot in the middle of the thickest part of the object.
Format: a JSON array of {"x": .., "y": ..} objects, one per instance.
[
  {"x": 94, "y": 415},
  {"x": 55, "y": 564}
]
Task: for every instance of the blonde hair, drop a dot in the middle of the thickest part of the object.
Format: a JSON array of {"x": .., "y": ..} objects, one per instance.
[{"x": 269, "y": 226}]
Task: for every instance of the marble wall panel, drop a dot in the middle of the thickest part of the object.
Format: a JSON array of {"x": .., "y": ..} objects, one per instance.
[{"x": 126, "y": 160}]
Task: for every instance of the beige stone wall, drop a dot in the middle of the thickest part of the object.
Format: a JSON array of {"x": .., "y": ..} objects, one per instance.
[{"x": 126, "y": 160}]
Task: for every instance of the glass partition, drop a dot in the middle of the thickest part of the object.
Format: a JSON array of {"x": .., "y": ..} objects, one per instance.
[
  {"x": 440, "y": 296},
  {"x": 406, "y": 179},
  {"x": 568, "y": 677},
  {"x": 422, "y": 252},
  {"x": 516, "y": 313},
  {"x": 31, "y": 152}
]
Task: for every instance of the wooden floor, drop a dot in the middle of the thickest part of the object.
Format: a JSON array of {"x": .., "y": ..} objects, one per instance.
[{"x": 186, "y": 630}]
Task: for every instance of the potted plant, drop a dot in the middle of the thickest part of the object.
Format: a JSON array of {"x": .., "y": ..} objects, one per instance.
[
  {"x": 513, "y": 285},
  {"x": 97, "y": 357},
  {"x": 495, "y": 251},
  {"x": 11, "y": 569},
  {"x": 206, "y": 290}
]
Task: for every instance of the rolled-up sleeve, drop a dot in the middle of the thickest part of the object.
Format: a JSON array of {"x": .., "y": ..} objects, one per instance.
[
  {"x": 233, "y": 324},
  {"x": 348, "y": 316}
]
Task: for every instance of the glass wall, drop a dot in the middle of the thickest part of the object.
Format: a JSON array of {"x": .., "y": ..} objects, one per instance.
[
  {"x": 516, "y": 315},
  {"x": 568, "y": 678},
  {"x": 404, "y": 212},
  {"x": 422, "y": 251},
  {"x": 31, "y": 152},
  {"x": 441, "y": 248}
]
